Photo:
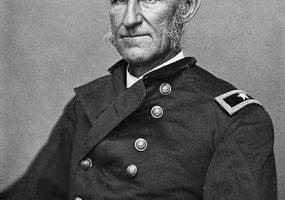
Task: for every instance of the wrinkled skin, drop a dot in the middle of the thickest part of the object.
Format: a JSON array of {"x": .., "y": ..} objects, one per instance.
[{"x": 146, "y": 32}]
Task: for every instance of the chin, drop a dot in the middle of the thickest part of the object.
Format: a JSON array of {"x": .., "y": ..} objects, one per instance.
[{"x": 137, "y": 55}]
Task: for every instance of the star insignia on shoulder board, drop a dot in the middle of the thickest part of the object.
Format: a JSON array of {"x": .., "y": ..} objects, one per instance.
[
  {"x": 235, "y": 100},
  {"x": 243, "y": 96}
]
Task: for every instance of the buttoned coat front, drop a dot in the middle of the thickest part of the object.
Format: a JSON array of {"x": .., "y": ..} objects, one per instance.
[{"x": 194, "y": 151}]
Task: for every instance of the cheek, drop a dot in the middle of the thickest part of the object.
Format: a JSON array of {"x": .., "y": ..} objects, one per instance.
[
  {"x": 161, "y": 32},
  {"x": 115, "y": 20},
  {"x": 161, "y": 21}
]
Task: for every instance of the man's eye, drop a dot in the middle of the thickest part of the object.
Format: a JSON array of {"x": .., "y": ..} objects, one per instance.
[
  {"x": 149, "y": 1},
  {"x": 119, "y": 1},
  {"x": 126, "y": 1}
]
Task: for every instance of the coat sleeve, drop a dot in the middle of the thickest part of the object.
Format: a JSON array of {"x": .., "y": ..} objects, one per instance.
[
  {"x": 243, "y": 165},
  {"x": 48, "y": 175}
]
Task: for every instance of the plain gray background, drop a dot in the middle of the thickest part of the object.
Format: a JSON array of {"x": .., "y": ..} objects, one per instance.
[{"x": 48, "y": 47}]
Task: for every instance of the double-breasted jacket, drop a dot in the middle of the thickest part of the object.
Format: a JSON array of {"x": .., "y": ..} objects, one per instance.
[{"x": 163, "y": 138}]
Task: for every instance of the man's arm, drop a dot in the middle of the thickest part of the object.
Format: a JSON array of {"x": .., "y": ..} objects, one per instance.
[
  {"x": 243, "y": 166},
  {"x": 48, "y": 175}
]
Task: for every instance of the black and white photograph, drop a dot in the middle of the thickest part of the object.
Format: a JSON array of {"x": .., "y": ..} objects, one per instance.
[{"x": 142, "y": 100}]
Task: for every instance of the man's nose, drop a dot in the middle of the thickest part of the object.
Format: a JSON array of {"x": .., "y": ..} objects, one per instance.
[{"x": 132, "y": 16}]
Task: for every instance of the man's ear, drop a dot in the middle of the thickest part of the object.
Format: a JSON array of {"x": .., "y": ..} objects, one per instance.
[{"x": 192, "y": 7}]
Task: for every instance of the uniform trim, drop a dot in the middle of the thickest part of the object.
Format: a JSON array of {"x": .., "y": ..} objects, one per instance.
[{"x": 243, "y": 99}]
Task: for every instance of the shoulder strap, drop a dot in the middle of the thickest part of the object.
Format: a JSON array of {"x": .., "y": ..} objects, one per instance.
[{"x": 235, "y": 100}]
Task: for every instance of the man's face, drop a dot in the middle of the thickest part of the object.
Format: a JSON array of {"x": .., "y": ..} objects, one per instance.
[{"x": 140, "y": 28}]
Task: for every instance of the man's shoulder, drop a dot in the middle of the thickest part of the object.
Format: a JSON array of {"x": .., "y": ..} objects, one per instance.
[
  {"x": 207, "y": 84},
  {"x": 218, "y": 91}
]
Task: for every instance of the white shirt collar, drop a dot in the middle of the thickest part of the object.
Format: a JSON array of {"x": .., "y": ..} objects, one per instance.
[{"x": 130, "y": 79}]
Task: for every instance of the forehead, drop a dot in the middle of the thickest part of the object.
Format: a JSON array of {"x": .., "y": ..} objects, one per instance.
[
  {"x": 167, "y": 2},
  {"x": 149, "y": 8}
]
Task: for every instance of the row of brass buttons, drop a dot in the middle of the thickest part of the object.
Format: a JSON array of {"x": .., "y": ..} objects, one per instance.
[
  {"x": 140, "y": 144},
  {"x": 157, "y": 111}
]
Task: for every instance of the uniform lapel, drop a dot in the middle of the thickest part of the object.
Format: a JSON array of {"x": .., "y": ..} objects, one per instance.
[
  {"x": 107, "y": 103},
  {"x": 96, "y": 97},
  {"x": 118, "y": 110}
]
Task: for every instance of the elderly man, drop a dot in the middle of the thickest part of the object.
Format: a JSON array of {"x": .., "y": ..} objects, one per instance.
[{"x": 158, "y": 127}]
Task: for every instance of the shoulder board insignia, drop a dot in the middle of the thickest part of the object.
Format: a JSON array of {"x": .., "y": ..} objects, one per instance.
[{"x": 235, "y": 100}]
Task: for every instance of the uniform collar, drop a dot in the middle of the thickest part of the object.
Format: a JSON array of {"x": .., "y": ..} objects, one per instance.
[
  {"x": 130, "y": 79},
  {"x": 163, "y": 72}
]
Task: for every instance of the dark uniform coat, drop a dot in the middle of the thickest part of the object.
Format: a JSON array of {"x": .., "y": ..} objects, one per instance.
[{"x": 166, "y": 137}]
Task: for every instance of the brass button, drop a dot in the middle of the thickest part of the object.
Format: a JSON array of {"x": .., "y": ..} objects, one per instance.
[
  {"x": 165, "y": 89},
  {"x": 140, "y": 144},
  {"x": 156, "y": 111},
  {"x": 86, "y": 163},
  {"x": 132, "y": 171}
]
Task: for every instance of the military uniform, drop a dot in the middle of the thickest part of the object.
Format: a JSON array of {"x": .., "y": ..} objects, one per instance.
[{"x": 178, "y": 133}]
